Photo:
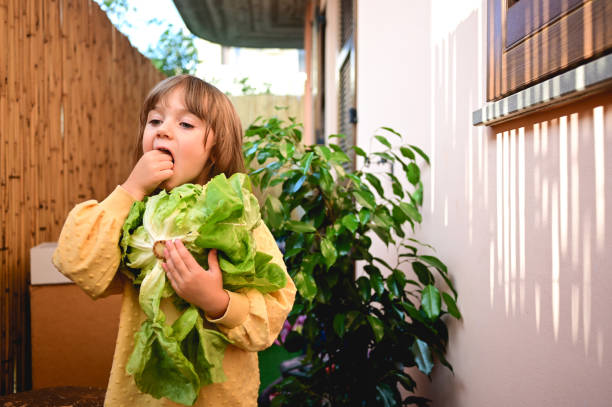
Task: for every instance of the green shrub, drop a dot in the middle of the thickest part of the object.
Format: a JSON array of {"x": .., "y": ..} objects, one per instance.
[{"x": 361, "y": 331}]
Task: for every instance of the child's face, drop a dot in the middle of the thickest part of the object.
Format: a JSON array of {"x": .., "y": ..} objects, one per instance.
[{"x": 172, "y": 127}]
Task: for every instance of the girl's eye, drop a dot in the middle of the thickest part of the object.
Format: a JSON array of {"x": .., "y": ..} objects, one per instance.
[
  {"x": 154, "y": 122},
  {"x": 186, "y": 125}
]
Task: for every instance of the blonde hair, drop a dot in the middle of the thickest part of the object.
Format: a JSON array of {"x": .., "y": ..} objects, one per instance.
[{"x": 212, "y": 106}]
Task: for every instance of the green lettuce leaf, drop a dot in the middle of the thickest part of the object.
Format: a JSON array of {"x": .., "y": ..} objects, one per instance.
[{"x": 175, "y": 361}]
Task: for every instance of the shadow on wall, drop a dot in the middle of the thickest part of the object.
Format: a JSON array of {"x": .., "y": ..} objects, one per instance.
[{"x": 551, "y": 220}]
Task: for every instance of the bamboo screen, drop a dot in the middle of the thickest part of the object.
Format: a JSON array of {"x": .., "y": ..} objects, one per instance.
[{"x": 71, "y": 87}]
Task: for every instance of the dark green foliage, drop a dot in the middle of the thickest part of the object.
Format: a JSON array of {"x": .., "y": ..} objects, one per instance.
[{"x": 360, "y": 333}]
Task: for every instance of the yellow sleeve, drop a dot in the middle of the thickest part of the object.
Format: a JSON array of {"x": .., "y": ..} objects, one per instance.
[
  {"x": 88, "y": 250},
  {"x": 253, "y": 320}
]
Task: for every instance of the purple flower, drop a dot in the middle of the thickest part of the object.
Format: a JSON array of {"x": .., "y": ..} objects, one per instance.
[{"x": 287, "y": 327}]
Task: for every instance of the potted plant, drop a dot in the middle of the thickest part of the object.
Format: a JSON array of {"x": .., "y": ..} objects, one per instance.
[{"x": 363, "y": 326}]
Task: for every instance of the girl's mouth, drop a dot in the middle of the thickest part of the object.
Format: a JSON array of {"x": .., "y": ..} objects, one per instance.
[{"x": 165, "y": 150}]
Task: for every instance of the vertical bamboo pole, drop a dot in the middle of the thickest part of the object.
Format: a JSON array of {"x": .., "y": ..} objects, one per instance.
[{"x": 4, "y": 200}]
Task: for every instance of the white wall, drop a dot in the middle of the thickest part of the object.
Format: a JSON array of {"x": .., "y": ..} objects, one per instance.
[{"x": 521, "y": 213}]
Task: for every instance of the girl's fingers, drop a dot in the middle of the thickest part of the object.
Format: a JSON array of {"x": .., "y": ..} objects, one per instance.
[
  {"x": 187, "y": 258},
  {"x": 213, "y": 260},
  {"x": 170, "y": 275},
  {"x": 177, "y": 261},
  {"x": 166, "y": 174},
  {"x": 165, "y": 165},
  {"x": 171, "y": 269}
]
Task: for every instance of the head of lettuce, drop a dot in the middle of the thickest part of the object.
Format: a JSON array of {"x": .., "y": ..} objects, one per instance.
[{"x": 175, "y": 361}]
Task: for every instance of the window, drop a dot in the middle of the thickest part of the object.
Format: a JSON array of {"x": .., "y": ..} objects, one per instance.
[{"x": 532, "y": 40}]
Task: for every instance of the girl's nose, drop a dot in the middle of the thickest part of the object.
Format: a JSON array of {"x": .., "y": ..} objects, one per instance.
[{"x": 164, "y": 131}]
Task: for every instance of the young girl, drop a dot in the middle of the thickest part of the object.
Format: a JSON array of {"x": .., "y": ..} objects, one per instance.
[{"x": 189, "y": 132}]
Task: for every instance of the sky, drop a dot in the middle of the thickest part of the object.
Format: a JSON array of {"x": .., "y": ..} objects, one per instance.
[{"x": 271, "y": 69}]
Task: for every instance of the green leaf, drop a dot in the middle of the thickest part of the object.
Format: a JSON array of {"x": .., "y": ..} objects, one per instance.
[
  {"x": 364, "y": 216},
  {"x": 355, "y": 179},
  {"x": 393, "y": 286},
  {"x": 392, "y": 131},
  {"x": 360, "y": 151},
  {"x": 411, "y": 211},
  {"x": 383, "y": 233},
  {"x": 406, "y": 381},
  {"x": 250, "y": 148},
  {"x": 382, "y": 219},
  {"x": 375, "y": 183},
  {"x": 398, "y": 190},
  {"x": 323, "y": 152},
  {"x": 351, "y": 222},
  {"x": 274, "y": 211},
  {"x": 398, "y": 215},
  {"x": 287, "y": 149},
  {"x": 363, "y": 287},
  {"x": 339, "y": 321},
  {"x": 383, "y": 140},
  {"x": 400, "y": 278},
  {"x": 422, "y": 272},
  {"x": 306, "y": 285},
  {"x": 329, "y": 252},
  {"x": 339, "y": 170},
  {"x": 384, "y": 155},
  {"x": 421, "y": 243},
  {"x": 384, "y": 263},
  {"x": 339, "y": 157},
  {"x": 413, "y": 173},
  {"x": 257, "y": 171},
  {"x": 431, "y": 301},
  {"x": 177, "y": 381},
  {"x": 421, "y": 153},
  {"x": 377, "y": 281},
  {"x": 365, "y": 198},
  {"x": 414, "y": 313},
  {"x": 306, "y": 161},
  {"x": 185, "y": 323},
  {"x": 406, "y": 152},
  {"x": 422, "y": 356},
  {"x": 377, "y": 327},
  {"x": 434, "y": 261},
  {"x": 296, "y": 184},
  {"x": 292, "y": 252},
  {"x": 418, "y": 194},
  {"x": 327, "y": 181},
  {"x": 351, "y": 317},
  {"x": 300, "y": 227},
  {"x": 386, "y": 394},
  {"x": 451, "y": 305}
]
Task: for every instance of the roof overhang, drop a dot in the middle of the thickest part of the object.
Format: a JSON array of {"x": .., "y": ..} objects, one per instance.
[{"x": 246, "y": 23}]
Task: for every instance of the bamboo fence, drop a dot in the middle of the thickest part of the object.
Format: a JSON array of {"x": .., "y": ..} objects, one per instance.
[
  {"x": 71, "y": 87},
  {"x": 250, "y": 107}
]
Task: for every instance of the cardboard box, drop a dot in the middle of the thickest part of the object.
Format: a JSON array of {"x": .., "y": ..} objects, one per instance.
[{"x": 73, "y": 336}]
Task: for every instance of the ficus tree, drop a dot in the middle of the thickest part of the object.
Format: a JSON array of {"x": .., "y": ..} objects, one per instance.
[{"x": 363, "y": 325}]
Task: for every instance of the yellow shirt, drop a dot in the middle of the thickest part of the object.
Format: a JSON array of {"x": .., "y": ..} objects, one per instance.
[{"x": 88, "y": 253}]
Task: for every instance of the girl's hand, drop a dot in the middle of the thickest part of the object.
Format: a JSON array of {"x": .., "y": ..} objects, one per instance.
[
  {"x": 202, "y": 288},
  {"x": 152, "y": 169}
]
